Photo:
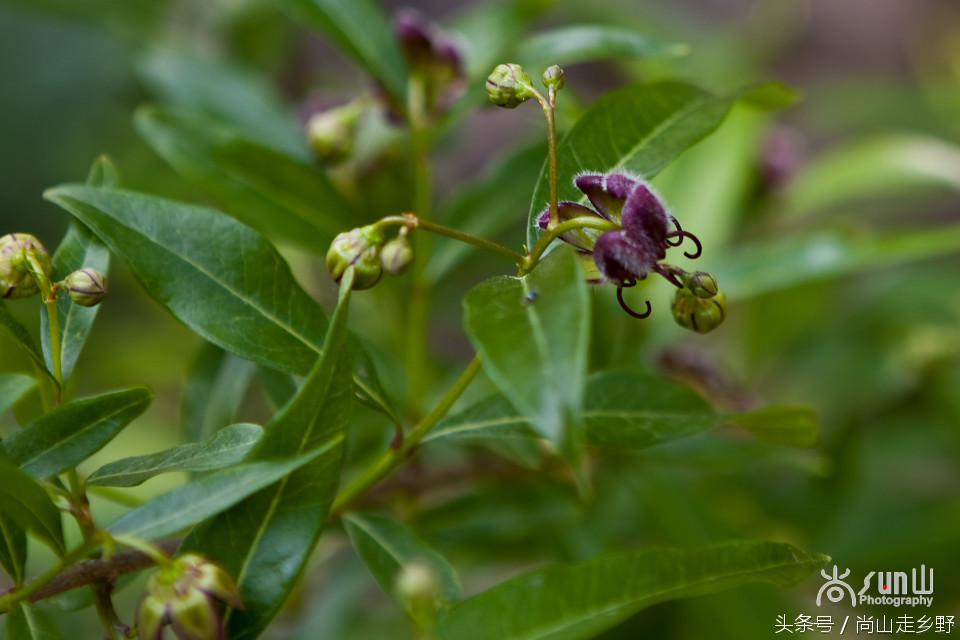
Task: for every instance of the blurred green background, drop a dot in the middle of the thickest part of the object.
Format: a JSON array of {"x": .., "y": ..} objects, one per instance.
[{"x": 872, "y": 148}]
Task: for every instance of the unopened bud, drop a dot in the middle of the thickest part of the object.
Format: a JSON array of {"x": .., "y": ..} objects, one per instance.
[
  {"x": 331, "y": 133},
  {"x": 359, "y": 248},
  {"x": 509, "y": 86},
  {"x": 419, "y": 589},
  {"x": 16, "y": 280},
  {"x": 554, "y": 77},
  {"x": 397, "y": 255},
  {"x": 697, "y": 313},
  {"x": 702, "y": 284},
  {"x": 86, "y": 287}
]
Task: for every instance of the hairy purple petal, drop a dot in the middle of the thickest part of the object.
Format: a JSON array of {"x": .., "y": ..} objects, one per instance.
[
  {"x": 582, "y": 239},
  {"x": 645, "y": 220},
  {"x": 621, "y": 260},
  {"x": 607, "y": 192}
]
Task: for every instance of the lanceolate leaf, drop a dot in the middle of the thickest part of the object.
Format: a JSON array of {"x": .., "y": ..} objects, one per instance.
[
  {"x": 14, "y": 386},
  {"x": 227, "y": 447},
  {"x": 638, "y": 129},
  {"x": 204, "y": 266},
  {"x": 70, "y": 434},
  {"x": 568, "y": 602},
  {"x": 280, "y": 196},
  {"x": 207, "y": 496},
  {"x": 24, "y": 622},
  {"x": 13, "y": 549},
  {"x": 266, "y": 541},
  {"x": 215, "y": 387},
  {"x": 760, "y": 268},
  {"x": 584, "y": 43},
  {"x": 386, "y": 546},
  {"x": 630, "y": 410},
  {"x": 532, "y": 335},
  {"x": 360, "y": 28},
  {"x": 22, "y": 337},
  {"x": 27, "y": 504},
  {"x": 78, "y": 249}
]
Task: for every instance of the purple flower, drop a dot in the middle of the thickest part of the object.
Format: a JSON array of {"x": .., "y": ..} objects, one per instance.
[{"x": 646, "y": 231}]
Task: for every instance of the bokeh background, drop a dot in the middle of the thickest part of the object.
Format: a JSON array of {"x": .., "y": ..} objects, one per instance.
[{"x": 872, "y": 147}]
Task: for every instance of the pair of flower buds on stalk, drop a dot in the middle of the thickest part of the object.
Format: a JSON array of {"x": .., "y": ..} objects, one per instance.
[
  {"x": 24, "y": 262},
  {"x": 367, "y": 250}
]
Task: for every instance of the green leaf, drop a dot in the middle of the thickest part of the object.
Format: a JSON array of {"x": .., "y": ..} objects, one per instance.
[
  {"x": 640, "y": 129},
  {"x": 280, "y": 196},
  {"x": 24, "y": 622},
  {"x": 360, "y": 29},
  {"x": 227, "y": 447},
  {"x": 79, "y": 248},
  {"x": 532, "y": 335},
  {"x": 872, "y": 170},
  {"x": 216, "y": 383},
  {"x": 22, "y": 337},
  {"x": 622, "y": 410},
  {"x": 587, "y": 43},
  {"x": 13, "y": 386},
  {"x": 566, "y": 602},
  {"x": 73, "y": 432},
  {"x": 204, "y": 266},
  {"x": 489, "y": 207},
  {"x": 790, "y": 426},
  {"x": 266, "y": 541},
  {"x": 279, "y": 387},
  {"x": 218, "y": 89},
  {"x": 209, "y": 495},
  {"x": 386, "y": 546},
  {"x": 775, "y": 265},
  {"x": 27, "y": 504},
  {"x": 13, "y": 549}
]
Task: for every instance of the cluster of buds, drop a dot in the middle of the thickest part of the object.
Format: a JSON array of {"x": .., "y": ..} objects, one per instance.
[
  {"x": 25, "y": 269},
  {"x": 368, "y": 251},
  {"x": 636, "y": 245},
  {"x": 509, "y": 86},
  {"x": 184, "y": 595}
]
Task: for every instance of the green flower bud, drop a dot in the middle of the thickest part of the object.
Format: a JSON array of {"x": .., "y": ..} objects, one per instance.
[
  {"x": 183, "y": 596},
  {"x": 15, "y": 278},
  {"x": 554, "y": 77},
  {"x": 697, "y": 313},
  {"x": 509, "y": 86},
  {"x": 87, "y": 287},
  {"x": 360, "y": 248},
  {"x": 418, "y": 588},
  {"x": 397, "y": 255},
  {"x": 702, "y": 284},
  {"x": 331, "y": 133}
]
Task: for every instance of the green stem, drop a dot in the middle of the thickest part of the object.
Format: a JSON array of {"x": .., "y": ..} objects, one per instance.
[
  {"x": 550, "y": 111},
  {"x": 419, "y": 300},
  {"x": 412, "y": 221},
  {"x": 48, "y": 293},
  {"x": 150, "y": 550},
  {"x": 552, "y": 233},
  {"x": 394, "y": 457}
]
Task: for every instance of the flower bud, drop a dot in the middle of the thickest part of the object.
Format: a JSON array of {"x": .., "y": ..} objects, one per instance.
[
  {"x": 397, "y": 255},
  {"x": 509, "y": 86},
  {"x": 331, "y": 133},
  {"x": 702, "y": 284},
  {"x": 555, "y": 77},
  {"x": 16, "y": 280},
  {"x": 87, "y": 287},
  {"x": 699, "y": 314},
  {"x": 183, "y": 596},
  {"x": 360, "y": 248},
  {"x": 418, "y": 588}
]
